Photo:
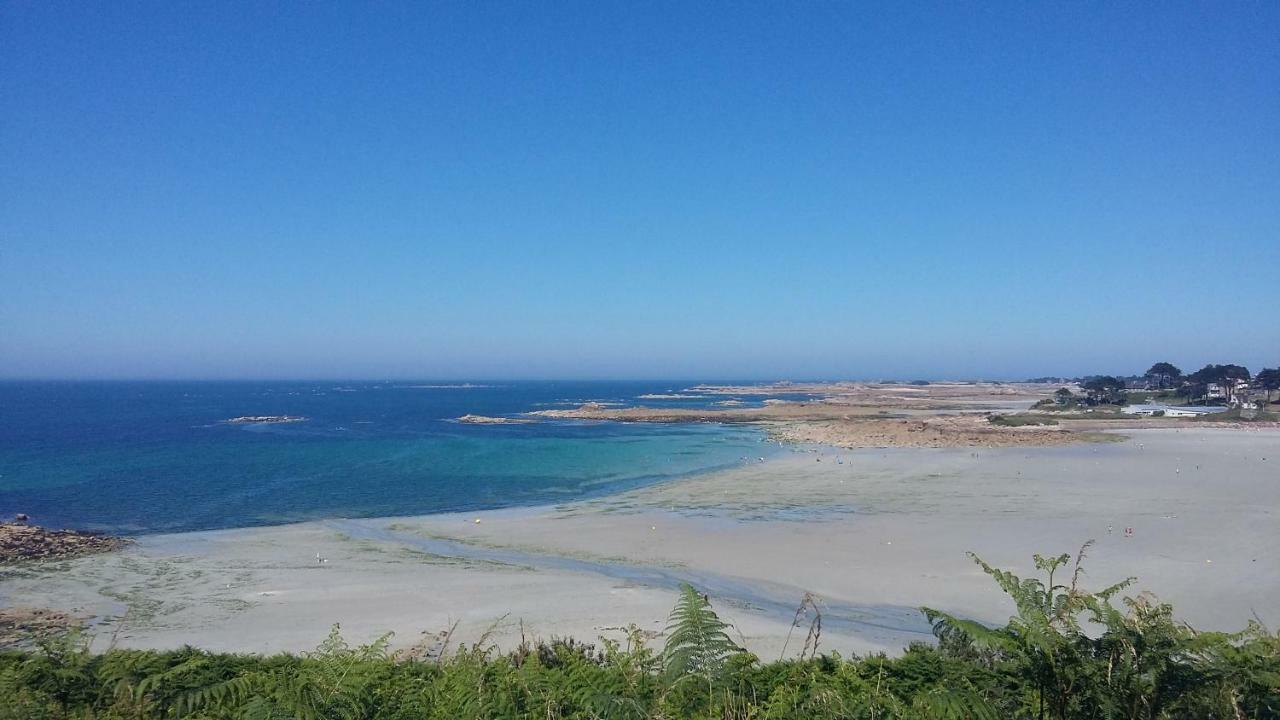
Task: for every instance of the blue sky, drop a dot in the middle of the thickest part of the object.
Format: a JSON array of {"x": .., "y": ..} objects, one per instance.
[{"x": 637, "y": 190}]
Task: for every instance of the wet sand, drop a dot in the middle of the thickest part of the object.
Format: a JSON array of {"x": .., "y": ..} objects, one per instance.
[{"x": 874, "y": 533}]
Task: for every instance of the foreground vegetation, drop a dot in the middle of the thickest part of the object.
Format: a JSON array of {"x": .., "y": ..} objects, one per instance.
[{"x": 1136, "y": 661}]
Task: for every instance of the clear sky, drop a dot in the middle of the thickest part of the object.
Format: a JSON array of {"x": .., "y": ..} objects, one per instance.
[{"x": 601, "y": 189}]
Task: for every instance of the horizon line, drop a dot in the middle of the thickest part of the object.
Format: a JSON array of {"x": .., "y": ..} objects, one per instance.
[{"x": 497, "y": 380}]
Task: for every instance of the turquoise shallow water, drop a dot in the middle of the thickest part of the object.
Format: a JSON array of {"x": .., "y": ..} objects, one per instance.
[{"x": 157, "y": 457}]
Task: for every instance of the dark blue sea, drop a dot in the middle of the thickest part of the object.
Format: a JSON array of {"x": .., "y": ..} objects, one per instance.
[{"x": 145, "y": 457}]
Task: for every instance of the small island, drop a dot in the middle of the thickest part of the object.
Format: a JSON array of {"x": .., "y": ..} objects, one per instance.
[
  {"x": 487, "y": 420},
  {"x": 264, "y": 419}
]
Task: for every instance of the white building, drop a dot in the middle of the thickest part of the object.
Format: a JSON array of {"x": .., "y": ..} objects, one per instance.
[{"x": 1174, "y": 410}]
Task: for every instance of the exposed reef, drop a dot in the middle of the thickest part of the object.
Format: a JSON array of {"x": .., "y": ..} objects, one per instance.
[
  {"x": 20, "y": 541},
  {"x": 264, "y": 419},
  {"x": 487, "y": 420}
]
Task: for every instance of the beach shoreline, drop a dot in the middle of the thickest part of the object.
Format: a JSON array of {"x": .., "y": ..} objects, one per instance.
[{"x": 873, "y": 533}]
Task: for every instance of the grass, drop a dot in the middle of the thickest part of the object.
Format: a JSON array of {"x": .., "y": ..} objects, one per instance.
[
  {"x": 1101, "y": 437},
  {"x": 1019, "y": 420},
  {"x": 1078, "y": 409},
  {"x": 1097, "y": 412},
  {"x": 1156, "y": 397}
]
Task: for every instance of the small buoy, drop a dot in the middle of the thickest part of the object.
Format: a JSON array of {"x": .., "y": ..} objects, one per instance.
[
  {"x": 653, "y": 527},
  {"x": 1208, "y": 561},
  {"x": 477, "y": 521}
]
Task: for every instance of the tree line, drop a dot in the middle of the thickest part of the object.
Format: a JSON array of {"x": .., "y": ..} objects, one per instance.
[{"x": 1165, "y": 376}]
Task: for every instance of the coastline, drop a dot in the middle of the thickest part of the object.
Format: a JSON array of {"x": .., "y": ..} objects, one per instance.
[{"x": 873, "y": 533}]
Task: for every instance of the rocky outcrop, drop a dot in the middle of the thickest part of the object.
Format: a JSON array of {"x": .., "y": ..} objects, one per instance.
[
  {"x": 19, "y": 542},
  {"x": 21, "y": 626},
  {"x": 264, "y": 419},
  {"x": 487, "y": 420}
]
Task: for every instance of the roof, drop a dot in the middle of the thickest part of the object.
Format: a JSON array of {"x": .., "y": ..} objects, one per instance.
[{"x": 1189, "y": 409}]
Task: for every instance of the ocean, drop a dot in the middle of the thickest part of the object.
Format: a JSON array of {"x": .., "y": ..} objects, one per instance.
[{"x": 149, "y": 457}]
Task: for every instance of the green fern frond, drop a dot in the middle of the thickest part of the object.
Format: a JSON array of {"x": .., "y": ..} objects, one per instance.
[
  {"x": 953, "y": 704},
  {"x": 697, "y": 639}
]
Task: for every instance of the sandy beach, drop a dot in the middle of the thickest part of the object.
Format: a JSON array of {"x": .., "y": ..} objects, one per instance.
[{"x": 873, "y": 533}]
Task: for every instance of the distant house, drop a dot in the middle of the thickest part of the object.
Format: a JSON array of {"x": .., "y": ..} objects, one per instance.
[
  {"x": 1173, "y": 410},
  {"x": 1229, "y": 389},
  {"x": 1251, "y": 396}
]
